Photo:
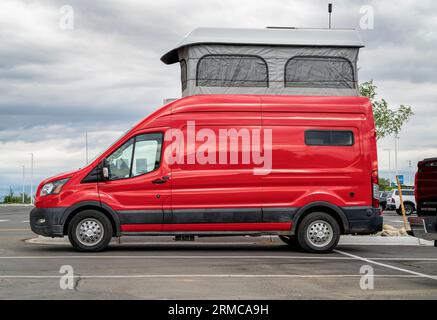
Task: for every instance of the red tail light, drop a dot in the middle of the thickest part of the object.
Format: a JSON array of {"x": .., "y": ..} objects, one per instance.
[{"x": 375, "y": 189}]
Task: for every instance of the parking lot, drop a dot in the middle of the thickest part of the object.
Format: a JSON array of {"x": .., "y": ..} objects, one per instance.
[{"x": 209, "y": 268}]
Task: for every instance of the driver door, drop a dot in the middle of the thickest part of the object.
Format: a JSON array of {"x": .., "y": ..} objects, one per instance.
[{"x": 138, "y": 183}]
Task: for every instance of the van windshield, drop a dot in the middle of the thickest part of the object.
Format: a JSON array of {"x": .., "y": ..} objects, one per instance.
[{"x": 109, "y": 146}]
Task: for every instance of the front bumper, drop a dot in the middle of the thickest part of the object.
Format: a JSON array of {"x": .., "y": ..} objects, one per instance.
[
  {"x": 390, "y": 207},
  {"x": 423, "y": 227},
  {"x": 47, "y": 221}
]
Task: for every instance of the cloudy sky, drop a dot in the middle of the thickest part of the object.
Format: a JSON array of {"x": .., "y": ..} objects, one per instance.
[{"x": 103, "y": 75}]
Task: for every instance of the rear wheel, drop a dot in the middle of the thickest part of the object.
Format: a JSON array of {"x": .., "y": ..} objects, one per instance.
[
  {"x": 318, "y": 232},
  {"x": 409, "y": 209},
  {"x": 90, "y": 231}
]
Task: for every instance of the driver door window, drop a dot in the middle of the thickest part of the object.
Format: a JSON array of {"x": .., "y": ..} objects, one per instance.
[{"x": 139, "y": 155}]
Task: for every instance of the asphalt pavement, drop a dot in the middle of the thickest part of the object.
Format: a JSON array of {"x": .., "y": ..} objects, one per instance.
[{"x": 209, "y": 268}]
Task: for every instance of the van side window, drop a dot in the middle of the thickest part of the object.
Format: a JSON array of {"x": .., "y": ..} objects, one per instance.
[
  {"x": 147, "y": 154},
  {"x": 232, "y": 71},
  {"x": 139, "y": 155},
  {"x": 319, "y": 72},
  {"x": 329, "y": 138}
]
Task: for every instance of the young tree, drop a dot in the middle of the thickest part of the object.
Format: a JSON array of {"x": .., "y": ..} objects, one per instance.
[
  {"x": 384, "y": 184},
  {"x": 12, "y": 198},
  {"x": 387, "y": 121}
]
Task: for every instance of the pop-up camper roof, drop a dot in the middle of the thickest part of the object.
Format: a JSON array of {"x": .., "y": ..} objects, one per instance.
[{"x": 268, "y": 61}]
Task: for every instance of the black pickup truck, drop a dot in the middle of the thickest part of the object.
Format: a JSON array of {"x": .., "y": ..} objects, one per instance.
[{"x": 425, "y": 191}]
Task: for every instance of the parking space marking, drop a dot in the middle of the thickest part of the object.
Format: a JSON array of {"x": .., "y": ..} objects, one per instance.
[
  {"x": 210, "y": 276},
  {"x": 176, "y": 257},
  {"x": 211, "y": 257},
  {"x": 4, "y": 220},
  {"x": 423, "y": 275}
]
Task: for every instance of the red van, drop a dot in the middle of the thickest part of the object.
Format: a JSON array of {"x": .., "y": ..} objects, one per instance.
[{"x": 200, "y": 166}]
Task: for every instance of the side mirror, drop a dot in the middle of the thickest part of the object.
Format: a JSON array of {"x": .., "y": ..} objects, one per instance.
[
  {"x": 104, "y": 169},
  {"x": 105, "y": 173}
]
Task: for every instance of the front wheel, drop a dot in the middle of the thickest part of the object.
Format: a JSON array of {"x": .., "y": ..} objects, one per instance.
[
  {"x": 318, "y": 232},
  {"x": 90, "y": 231}
]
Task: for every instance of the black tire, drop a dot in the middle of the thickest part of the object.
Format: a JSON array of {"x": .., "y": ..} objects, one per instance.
[
  {"x": 290, "y": 240},
  {"x": 399, "y": 211},
  {"x": 101, "y": 223},
  {"x": 327, "y": 222},
  {"x": 409, "y": 209}
]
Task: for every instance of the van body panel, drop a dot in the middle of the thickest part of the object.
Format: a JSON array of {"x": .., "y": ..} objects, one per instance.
[
  {"x": 229, "y": 198},
  {"x": 215, "y": 185}
]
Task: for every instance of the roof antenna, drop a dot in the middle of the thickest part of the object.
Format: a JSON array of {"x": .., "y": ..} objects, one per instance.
[{"x": 330, "y": 12}]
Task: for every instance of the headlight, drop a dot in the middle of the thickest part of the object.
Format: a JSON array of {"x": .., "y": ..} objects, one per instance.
[{"x": 53, "y": 187}]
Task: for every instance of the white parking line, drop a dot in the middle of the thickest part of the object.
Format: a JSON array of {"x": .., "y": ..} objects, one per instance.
[
  {"x": 212, "y": 276},
  {"x": 124, "y": 257},
  {"x": 176, "y": 257},
  {"x": 4, "y": 220},
  {"x": 423, "y": 275},
  {"x": 25, "y": 221}
]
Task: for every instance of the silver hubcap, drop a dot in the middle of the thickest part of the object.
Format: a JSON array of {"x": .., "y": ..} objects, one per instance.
[
  {"x": 89, "y": 232},
  {"x": 320, "y": 233}
]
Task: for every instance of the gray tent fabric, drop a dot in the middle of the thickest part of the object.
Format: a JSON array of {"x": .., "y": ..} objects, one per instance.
[
  {"x": 261, "y": 69},
  {"x": 184, "y": 75},
  {"x": 268, "y": 61}
]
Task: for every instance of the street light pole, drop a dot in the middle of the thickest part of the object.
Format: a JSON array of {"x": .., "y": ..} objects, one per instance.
[
  {"x": 389, "y": 162},
  {"x": 22, "y": 192},
  {"x": 329, "y": 12},
  {"x": 86, "y": 147},
  {"x": 396, "y": 154},
  {"x": 31, "y": 177}
]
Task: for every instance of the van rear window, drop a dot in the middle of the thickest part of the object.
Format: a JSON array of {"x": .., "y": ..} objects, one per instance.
[{"x": 329, "y": 138}]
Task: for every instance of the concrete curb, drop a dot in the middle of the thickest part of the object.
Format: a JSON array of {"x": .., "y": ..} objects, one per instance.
[
  {"x": 384, "y": 241},
  {"x": 344, "y": 240}
]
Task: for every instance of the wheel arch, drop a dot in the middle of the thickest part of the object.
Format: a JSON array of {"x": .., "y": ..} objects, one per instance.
[
  {"x": 410, "y": 202},
  {"x": 91, "y": 205},
  {"x": 321, "y": 206}
]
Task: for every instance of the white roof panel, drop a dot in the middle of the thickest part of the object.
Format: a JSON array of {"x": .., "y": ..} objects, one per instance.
[{"x": 267, "y": 36}]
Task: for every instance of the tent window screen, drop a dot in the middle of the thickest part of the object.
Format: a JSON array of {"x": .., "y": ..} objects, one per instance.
[
  {"x": 232, "y": 71},
  {"x": 329, "y": 138},
  {"x": 319, "y": 72},
  {"x": 183, "y": 74}
]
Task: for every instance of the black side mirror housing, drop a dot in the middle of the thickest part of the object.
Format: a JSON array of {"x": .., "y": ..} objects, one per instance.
[
  {"x": 104, "y": 170},
  {"x": 99, "y": 173}
]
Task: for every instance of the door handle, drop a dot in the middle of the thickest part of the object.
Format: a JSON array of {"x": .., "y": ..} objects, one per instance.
[{"x": 161, "y": 181}]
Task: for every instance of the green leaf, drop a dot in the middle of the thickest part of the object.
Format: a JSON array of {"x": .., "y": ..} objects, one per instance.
[{"x": 387, "y": 120}]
